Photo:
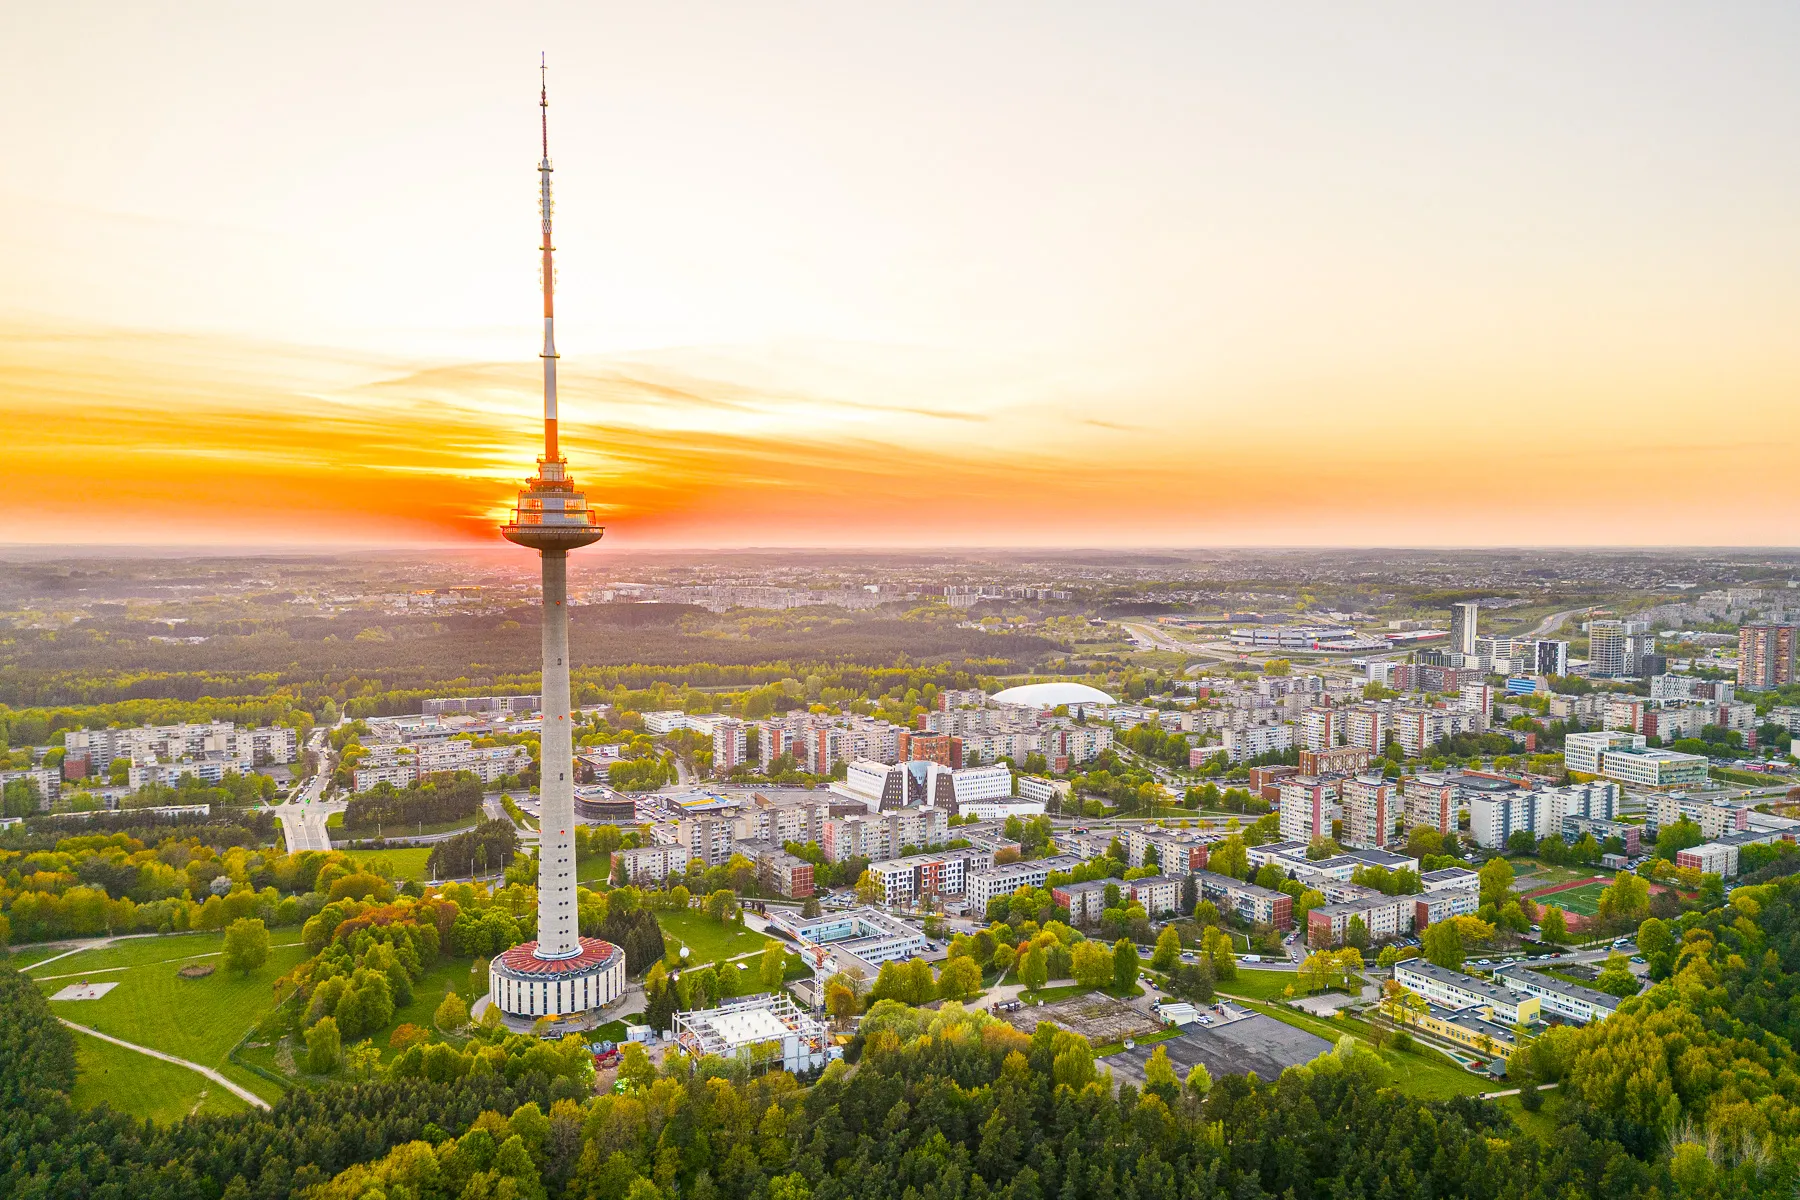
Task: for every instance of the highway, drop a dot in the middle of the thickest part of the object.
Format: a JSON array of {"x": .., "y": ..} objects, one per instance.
[{"x": 1554, "y": 621}]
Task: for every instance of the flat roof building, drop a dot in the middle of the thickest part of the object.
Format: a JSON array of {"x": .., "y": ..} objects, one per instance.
[{"x": 766, "y": 1032}]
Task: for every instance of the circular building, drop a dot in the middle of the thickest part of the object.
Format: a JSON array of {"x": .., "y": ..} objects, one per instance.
[
  {"x": 1053, "y": 695},
  {"x": 524, "y": 985},
  {"x": 604, "y": 804}
]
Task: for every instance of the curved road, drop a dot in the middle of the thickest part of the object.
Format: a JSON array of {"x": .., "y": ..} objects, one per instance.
[
  {"x": 246, "y": 1095},
  {"x": 1554, "y": 621}
]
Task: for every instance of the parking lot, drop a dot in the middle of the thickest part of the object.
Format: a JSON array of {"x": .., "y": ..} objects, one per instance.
[{"x": 1254, "y": 1043}]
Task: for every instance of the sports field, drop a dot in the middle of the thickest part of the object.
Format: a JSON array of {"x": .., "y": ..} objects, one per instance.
[{"x": 1583, "y": 901}]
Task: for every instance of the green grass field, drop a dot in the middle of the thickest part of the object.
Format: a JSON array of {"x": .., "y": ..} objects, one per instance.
[
  {"x": 22, "y": 957},
  {"x": 1540, "y": 1124},
  {"x": 140, "y": 951},
  {"x": 593, "y": 869},
  {"x": 1421, "y": 1072},
  {"x": 1068, "y": 991},
  {"x": 1583, "y": 900},
  {"x": 144, "y": 1087},
  {"x": 1533, "y": 874},
  {"x": 196, "y": 1019},
  {"x": 706, "y": 939},
  {"x": 446, "y": 976},
  {"x": 1262, "y": 985},
  {"x": 402, "y": 862}
]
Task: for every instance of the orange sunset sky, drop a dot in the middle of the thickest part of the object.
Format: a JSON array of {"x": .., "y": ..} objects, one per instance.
[{"x": 912, "y": 275}]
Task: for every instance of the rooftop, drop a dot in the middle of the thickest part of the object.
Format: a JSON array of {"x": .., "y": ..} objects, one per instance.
[
  {"x": 1492, "y": 992},
  {"x": 1050, "y": 695}
]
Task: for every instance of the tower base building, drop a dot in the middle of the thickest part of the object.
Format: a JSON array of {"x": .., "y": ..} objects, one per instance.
[{"x": 524, "y": 985}]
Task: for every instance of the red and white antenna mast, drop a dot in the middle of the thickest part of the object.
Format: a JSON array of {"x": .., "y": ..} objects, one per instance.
[{"x": 544, "y": 208}]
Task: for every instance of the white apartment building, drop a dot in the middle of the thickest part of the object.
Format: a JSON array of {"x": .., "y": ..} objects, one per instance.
[
  {"x": 1159, "y": 894},
  {"x": 1384, "y": 917},
  {"x": 1432, "y": 801},
  {"x": 47, "y": 782},
  {"x": 652, "y": 863},
  {"x": 1367, "y": 726},
  {"x": 1710, "y": 858},
  {"x": 983, "y": 886},
  {"x": 1257, "y": 740},
  {"x": 1367, "y": 818},
  {"x": 1306, "y": 804},
  {"x": 1320, "y": 725},
  {"x": 1715, "y": 818},
  {"x": 731, "y": 745},
  {"x": 253, "y": 745}
]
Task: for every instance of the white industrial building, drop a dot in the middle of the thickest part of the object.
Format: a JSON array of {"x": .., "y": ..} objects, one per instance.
[{"x": 768, "y": 1032}]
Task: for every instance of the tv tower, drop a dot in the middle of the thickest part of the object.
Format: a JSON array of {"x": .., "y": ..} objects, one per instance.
[{"x": 561, "y": 972}]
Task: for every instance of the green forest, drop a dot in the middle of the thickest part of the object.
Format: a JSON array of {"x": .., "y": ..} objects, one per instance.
[{"x": 1690, "y": 1090}]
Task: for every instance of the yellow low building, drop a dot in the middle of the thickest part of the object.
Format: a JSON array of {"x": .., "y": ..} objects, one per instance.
[{"x": 1472, "y": 1028}]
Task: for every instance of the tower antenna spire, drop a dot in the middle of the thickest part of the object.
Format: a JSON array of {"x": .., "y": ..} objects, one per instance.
[{"x": 548, "y": 267}]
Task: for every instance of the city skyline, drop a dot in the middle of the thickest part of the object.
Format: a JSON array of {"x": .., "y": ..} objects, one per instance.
[{"x": 1158, "y": 277}]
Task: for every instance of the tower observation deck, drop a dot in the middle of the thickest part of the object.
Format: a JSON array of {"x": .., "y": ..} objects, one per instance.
[{"x": 561, "y": 972}]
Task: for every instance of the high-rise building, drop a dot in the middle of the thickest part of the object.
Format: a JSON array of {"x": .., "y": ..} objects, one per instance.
[
  {"x": 1766, "y": 655},
  {"x": 1321, "y": 728},
  {"x": 1549, "y": 657},
  {"x": 731, "y": 745},
  {"x": 1305, "y": 808},
  {"x": 1616, "y": 649},
  {"x": 1366, "y": 820},
  {"x": 561, "y": 971},
  {"x": 1463, "y": 617},
  {"x": 1368, "y": 727}
]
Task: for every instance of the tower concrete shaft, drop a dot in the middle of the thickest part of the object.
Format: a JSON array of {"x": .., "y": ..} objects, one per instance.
[{"x": 559, "y": 934}]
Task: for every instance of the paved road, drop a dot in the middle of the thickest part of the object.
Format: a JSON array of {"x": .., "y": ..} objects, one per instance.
[
  {"x": 246, "y": 1095},
  {"x": 304, "y": 823},
  {"x": 1554, "y": 621}
]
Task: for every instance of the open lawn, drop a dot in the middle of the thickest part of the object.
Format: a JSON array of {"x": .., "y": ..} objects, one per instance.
[
  {"x": 1261, "y": 985},
  {"x": 1583, "y": 900},
  {"x": 441, "y": 978},
  {"x": 593, "y": 869},
  {"x": 706, "y": 939},
  {"x": 142, "y": 951},
  {"x": 1068, "y": 991},
  {"x": 1421, "y": 1072},
  {"x": 144, "y": 1087},
  {"x": 397, "y": 862},
  {"x": 22, "y": 957},
  {"x": 196, "y": 1019},
  {"x": 1540, "y": 1124}
]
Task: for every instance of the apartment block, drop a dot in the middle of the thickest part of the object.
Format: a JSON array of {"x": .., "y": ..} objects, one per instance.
[
  {"x": 1248, "y": 901},
  {"x": 1341, "y": 760},
  {"x": 1367, "y": 727},
  {"x": 1766, "y": 656},
  {"x": 1306, "y": 804},
  {"x": 1159, "y": 894},
  {"x": 1385, "y": 917},
  {"x": 1320, "y": 727},
  {"x": 1431, "y": 801},
  {"x": 1367, "y": 821}
]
